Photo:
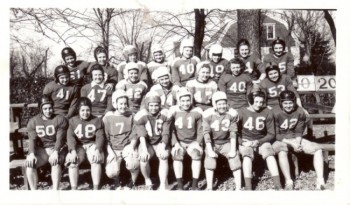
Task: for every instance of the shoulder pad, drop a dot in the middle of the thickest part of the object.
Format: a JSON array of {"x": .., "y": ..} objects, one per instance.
[
  {"x": 172, "y": 110},
  {"x": 197, "y": 109},
  {"x": 196, "y": 59},
  {"x": 120, "y": 65},
  {"x": 156, "y": 87},
  {"x": 208, "y": 112},
  {"x": 175, "y": 60},
  {"x": 164, "y": 112},
  {"x": 140, "y": 114},
  {"x": 233, "y": 112}
]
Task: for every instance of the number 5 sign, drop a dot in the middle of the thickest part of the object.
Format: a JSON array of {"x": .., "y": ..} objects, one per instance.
[{"x": 325, "y": 83}]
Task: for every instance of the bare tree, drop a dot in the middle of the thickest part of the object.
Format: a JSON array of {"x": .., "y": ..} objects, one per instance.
[{"x": 331, "y": 24}]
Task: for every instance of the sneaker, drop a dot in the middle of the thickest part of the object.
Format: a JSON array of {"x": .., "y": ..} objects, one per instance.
[
  {"x": 149, "y": 187},
  {"x": 289, "y": 186}
]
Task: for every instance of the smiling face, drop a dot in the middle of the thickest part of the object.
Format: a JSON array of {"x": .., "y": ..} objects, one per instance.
[
  {"x": 221, "y": 106},
  {"x": 216, "y": 57},
  {"x": 132, "y": 57},
  {"x": 121, "y": 104},
  {"x": 84, "y": 112},
  {"x": 185, "y": 103},
  {"x": 153, "y": 108},
  {"x": 97, "y": 76},
  {"x": 70, "y": 61},
  {"x": 102, "y": 59},
  {"x": 235, "y": 69},
  {"x": 244, "y": 51},
  {"x": 63, "y": 79},
  {"x": 47, "y": 111},
  {"x": 273, "y": 75},
  {"x": 158, "y": 56},
  {"x": 204, "y": 74},
  {"x": 258, "y": 103},
  {"x": 187, "y": 52},
  {"x": 278, "y": 50},
  {"x": 133, "y": 75},
  {"x": 288, "y": 106},
  {"x": 164, "y": 81}
]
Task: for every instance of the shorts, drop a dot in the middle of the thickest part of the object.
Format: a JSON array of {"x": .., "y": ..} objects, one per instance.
[
  {"x": 224, "y": 149},
  {"x": 265, "y": 150},
  {"x": 42, "y": 155},
  {"x": 86, "y": 150},
  {"x": 308, "y": 147}
]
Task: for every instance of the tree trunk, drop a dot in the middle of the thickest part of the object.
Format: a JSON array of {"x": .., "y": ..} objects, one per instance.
[
  {"x": 199, "y": 31},
  {"x": 249, "y": 28},
  {"x": 331, "y": 24}
]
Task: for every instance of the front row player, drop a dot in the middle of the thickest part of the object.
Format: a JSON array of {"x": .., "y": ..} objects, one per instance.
[
  {"x": 290, "y": 121},
  {"x": 219, "y": 130},
  {"x": 257, "y": 130},
  {"x": 46, "y": 133},
  {"x": 85, "y": 138}
]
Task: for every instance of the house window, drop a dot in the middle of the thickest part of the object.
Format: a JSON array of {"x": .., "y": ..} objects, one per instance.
[{"x": 270, "y": 31}]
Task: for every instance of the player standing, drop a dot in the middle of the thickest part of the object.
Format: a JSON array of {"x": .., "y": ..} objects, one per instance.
[
  {"x": 218, "y": 65},
  {"x": 159, "y": 61},
  {"x": 46, "y": 133}
]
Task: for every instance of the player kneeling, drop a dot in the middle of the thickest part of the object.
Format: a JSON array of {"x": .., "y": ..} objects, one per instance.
[
  {"x": 290, "y": 120},
  {"x": 121, "y": 141},
  {"x": 85, "y": 138},
  {"x": 187, "y": 137},
  {"x": 256, "y": 129},
  {"x": 219, "y": 130},
  {"x": 46, "y": 132},
  {"x": 153, "y": 131}
]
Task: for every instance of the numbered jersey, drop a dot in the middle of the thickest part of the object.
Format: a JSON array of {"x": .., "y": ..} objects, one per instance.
[
  {"x": 168, "y": 97},
  {"x": 47, "y": 133},
  {"x": 100, "y": 98},
  {"x": 218, "y": 128},
  {"x": 135, "y": 92},
  {"x": 256, "y": 125},
  {"x": 284, "y": 62},
  {"x": 64, "y": 97},
  {"x": 118, "y": 128},
  {"x": 218, "y": 69},
  {"x": 143, "y": 71},
  {"x": 78, "y": 72},
  {"x": 273, "y": 89},
  {"x": 202, "y": 92},
  {"x": 236, "y": 89},
  {"x": 153, "y": 128},
  {"x": 85, "y": 132},
  {"x": 289, "y": 125},
  {"x": 110, "y": 73},
  {"x": 187, "y": 124},
  {"x": 183, "y": 70},
  {"x": 253, "y": 66}
]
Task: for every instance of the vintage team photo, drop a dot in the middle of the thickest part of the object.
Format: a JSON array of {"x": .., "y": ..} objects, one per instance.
[{"x": 194, "y": 100}]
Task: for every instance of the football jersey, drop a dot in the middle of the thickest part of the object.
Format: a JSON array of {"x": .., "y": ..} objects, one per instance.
[
  {"x": 219, "y": 128},
  {"x": 118, "y": 128},
  {"x": 135, "y": 92},
  {"x": 143, "y": 71},
  {"x": 110, "y": 73},
  {"x": 47, "y": 133},
  {"x": 187, "y": 124},
  {"x": 284, "y": 62},
  {"x": 289, "y": 125},
  {"x": 256, "y": 125},
  {"x": 168, "y": 97},
  {"x": 217, "y": 69},
  {"x": 100, "y": 98},
  {"x": 253, "y": 62},
  {"x": 78, "y": 72},
  {"x": 153, "y": 128},
  {"x": 183, "y": 70},
  {"x": 236, "y": 89},
  {"x": 202, "y": 92},
  {"x": 152, "y": 66},
  {"x": 82, "y": 132},
  {"x": 64, "y": 97},
  {"x": 273, "y": 89}
]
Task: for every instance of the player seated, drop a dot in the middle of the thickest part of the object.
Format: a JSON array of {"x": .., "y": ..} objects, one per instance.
[
  {"x": 152, "y": 128},
  {"x": 183, "y": 68},
  {"x": 110, "y": 73},
  {"x": 130, "y": 54},
  {"x": 158, "y": 61},
  {"x": 256, "y": 131},
  {"x": 85, "y": 139},
  {"x": 164, "y": 87},
  {"x": 290, "y": 122},
  {"x": 97, "y": 91},
  {"x": 134, "y": 87},
  {"x": 187, "y": 136},
  {"x": 62, "y": 92},
  {"x": 202, "y": 88},
  {"x": 218, "y": 65},
  {"x": 220, "y": 137},
  {"x": 282, "y": 59},
  {"x": 46, "y": 133},
  {"x": 236, "y": 85},
  {"x": 253, "y": 65},
  {"x": 77, "y": 68},
  {"x": 122, "y": 144}
]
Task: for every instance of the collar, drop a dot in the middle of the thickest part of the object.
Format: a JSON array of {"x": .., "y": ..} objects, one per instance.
[{"x": 102, "y": 85}]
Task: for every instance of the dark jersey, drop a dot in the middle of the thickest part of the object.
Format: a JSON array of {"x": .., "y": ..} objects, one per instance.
[
  {"x": 289, "y": 125},
  {"x": 218, "y": 69},
  {"x": 78, "y": 72},
  {"x": 110, "y": 73},
  {"x": 183, "y": 69},
  {"x": 284, "y": 62},
  {"x": 253, "y": 66},
  {"x": 100, "y": 98},
  {"x": 47, "y": 133},
  {"x": 85, "y": 131},
  {"x": 64, "y": 97},
  {"x": 135, "y": 92}
]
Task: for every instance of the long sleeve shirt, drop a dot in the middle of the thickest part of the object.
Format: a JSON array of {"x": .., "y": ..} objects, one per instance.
[{"x": 78, "y": 72}]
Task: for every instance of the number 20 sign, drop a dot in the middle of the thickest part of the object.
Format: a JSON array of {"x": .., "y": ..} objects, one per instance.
[{"x": 316, "y": 83}]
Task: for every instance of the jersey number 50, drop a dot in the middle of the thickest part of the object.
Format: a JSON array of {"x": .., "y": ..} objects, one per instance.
[{"x": 41, "y": 130}]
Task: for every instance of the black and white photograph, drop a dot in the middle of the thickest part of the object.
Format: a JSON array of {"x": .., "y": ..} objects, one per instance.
[{"x": 176, "y": 102}]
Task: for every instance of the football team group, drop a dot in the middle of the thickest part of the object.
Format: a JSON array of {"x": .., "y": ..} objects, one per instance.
[{"x": 133, "y": 113}]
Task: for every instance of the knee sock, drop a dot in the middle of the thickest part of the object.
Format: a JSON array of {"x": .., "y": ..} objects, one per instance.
[
  {"x": 194, "y": 184},
  {"x": 277, "y": 182},
  {"x": 180, "y": 186},
  {"x": 248, "y": 183}
]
